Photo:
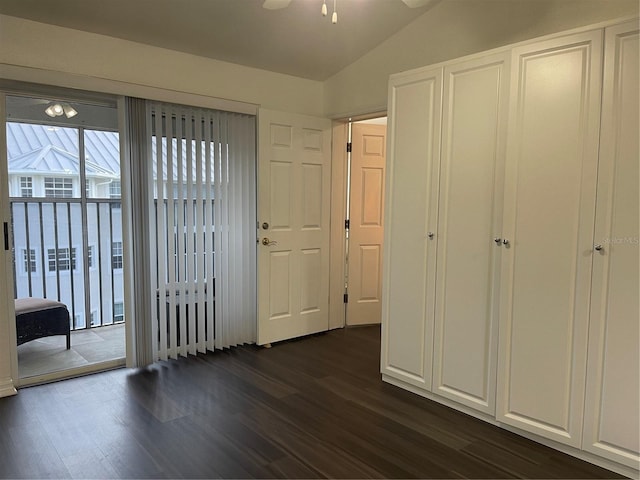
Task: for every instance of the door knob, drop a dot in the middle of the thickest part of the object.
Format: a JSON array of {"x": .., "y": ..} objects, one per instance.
[
  {"x": 598, "y": 248},
  {"x": 498, "y": 241},
  {"x": 506, "y": 242},
  {"x": 265, "y": 226},
  {"x": 267, "y": 243},
  {"x": 430, "y": 235}
]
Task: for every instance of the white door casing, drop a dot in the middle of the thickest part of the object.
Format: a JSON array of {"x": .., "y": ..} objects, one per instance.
[
  {"x": 338, "y": 268},
  {"x": 366, "y": 225},
  {"x": 294, "y": 173},
  {"x": 612, "y": 419},
  {"x": 469, "y": 219},
  {"x": 8, "y": 349},
  {"x": 410, "y": 217},
  {"x": 551, "y": 169}
]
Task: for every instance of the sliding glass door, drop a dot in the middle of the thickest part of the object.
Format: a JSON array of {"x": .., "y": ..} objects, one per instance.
[{"x": 63, "y": 166}]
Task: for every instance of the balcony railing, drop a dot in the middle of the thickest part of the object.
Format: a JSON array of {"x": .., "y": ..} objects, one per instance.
[{"x": 70, "y": 250}]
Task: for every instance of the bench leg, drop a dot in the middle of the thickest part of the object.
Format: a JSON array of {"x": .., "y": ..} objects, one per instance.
[{"x": 69, "y": 341}]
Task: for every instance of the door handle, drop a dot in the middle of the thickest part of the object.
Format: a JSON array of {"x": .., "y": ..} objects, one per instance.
[{"x": 267, "y": 243}]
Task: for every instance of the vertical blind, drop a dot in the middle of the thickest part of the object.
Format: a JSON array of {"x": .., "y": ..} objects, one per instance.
[{"x": 203, "y": 221}]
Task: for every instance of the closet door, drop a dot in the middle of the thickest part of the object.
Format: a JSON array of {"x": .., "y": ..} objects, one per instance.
[
  {"x": 409, "y": 260},
  {"x": 469, "y": 218},
  {"x": 550, "y": 183},
  {"x": 613, "y": 399}
]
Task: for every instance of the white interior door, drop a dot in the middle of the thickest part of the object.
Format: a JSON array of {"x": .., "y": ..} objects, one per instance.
[
  {"x": 366, "y": 213},
  {"x": 612, "y": 407},
  {"x": 411, "y": 185},
  {"x": 551, "y": 169},
  {"x": 294, "y": 174},
  {"x": 469, "y": 219}
]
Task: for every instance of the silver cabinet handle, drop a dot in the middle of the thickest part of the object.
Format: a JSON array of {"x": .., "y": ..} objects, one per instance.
[
  {"x": 598, "y": 248},
  {"x": 430, "y": 235},
  {"x": 498, "y": 241},
  {"x": 506, "y": 242}
]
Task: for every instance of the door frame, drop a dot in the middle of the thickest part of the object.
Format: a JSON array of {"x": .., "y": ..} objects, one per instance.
[
  {"x": 338, "y": 246},
  {"x": 8, "y": 359},
  {"x": 339, "y": 188}
]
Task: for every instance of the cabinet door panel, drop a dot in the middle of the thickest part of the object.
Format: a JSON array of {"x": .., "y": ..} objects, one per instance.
[
  {"x": 469, "y": 218},
  {"x": 549, "y": 207},
  {"x": 613, "y": 387},
  {"x": 409, "y": 268}
]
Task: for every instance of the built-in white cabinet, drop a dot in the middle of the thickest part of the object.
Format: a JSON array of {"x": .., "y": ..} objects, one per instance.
[
  {"x": 550, "y": 194},
  {"x": 411, "y": 212},
  {"x": 511, "y": 246},
  {"x": 469, "y": 202},
  {"x": 612, "y": 420},
  {"x": 447, "y": 124}
]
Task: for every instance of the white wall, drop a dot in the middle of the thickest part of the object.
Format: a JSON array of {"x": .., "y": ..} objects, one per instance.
[
  {"x": 454, "y": 28},
  {"x": 77, "y": 59}
]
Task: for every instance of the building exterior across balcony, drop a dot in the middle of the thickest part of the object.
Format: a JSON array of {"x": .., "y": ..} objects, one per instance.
[{"x": 64, "y": 185}]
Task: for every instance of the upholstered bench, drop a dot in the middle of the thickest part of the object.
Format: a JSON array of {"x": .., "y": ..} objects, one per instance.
[{"x": 41, "y": 317}]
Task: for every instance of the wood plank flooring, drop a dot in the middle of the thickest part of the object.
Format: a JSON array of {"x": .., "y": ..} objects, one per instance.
[{"x": 309, "y": 408}]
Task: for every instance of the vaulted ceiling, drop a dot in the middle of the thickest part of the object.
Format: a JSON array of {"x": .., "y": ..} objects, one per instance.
[{"x": 296, "y": 40}]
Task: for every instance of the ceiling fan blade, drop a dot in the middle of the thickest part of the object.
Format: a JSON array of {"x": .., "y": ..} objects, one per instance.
[
  {"x": 275, "y": 4},
  {"x": 418, "y": 3}
]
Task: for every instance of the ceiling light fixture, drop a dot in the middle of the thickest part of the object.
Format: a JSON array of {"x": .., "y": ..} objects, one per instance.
[
  {"x": 57, "y": 109},
  {"x": 334, "y": 17}
]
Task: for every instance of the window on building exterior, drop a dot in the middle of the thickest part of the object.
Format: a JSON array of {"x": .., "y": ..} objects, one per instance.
[
  {"x": 114, "y": 189},
  {"x": 57, "y": 187},
  {"x": 90, "y": 255},
  {"x": 29, "y": 258},
  {"x": 116, "y": 255},
  {"x": 118, "y": 312},
  {"x": 26, "y": 187},
  {"x": 63, "y": 261}
]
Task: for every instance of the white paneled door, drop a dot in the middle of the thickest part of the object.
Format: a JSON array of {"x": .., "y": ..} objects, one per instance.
[
  {"x": 366, "y": 224},
  {"x": 469, "y": 231},
  {"x": 294, "y": 173},
  {"x": 612, "y": 409},
  {"x": 410, "y": 223},
  {"x": 550, "y": 193}
]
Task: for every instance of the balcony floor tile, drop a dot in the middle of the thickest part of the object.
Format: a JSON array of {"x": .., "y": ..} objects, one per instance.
[{"x": 47, "y": 355}]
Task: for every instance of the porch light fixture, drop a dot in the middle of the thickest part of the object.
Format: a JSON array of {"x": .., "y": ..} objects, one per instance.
[{"x": 58, "y": 109}]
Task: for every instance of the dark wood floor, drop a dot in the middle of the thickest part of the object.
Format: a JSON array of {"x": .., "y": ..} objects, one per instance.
[{"x": 309, "y": 408}]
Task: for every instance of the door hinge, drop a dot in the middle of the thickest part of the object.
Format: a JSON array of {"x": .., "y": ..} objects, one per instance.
[
  {"x": 346, "y": 298},
  {"x": 349, "y": 147},
  {"x": 347, "y": 224},
  {"x": 6, "y": 236}
]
